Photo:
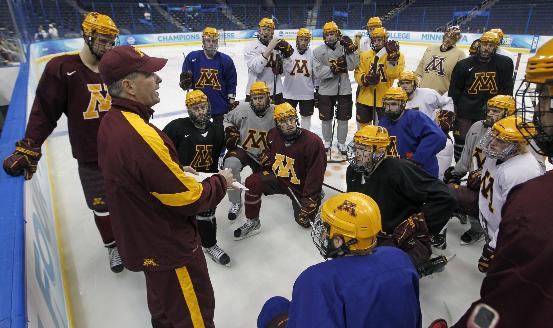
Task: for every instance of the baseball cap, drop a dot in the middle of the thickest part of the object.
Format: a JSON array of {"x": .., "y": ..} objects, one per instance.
[{"x": 121, "y": 61}]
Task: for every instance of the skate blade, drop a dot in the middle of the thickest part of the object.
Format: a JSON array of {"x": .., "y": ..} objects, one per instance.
[{"x": 253, "y": 233}]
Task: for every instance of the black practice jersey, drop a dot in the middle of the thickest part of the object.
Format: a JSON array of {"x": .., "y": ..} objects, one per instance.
[{"x": 196, "y": 149}]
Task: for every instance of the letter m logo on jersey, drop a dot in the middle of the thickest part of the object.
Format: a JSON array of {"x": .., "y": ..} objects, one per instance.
[
  {"x": 284, "y": 167},
  {"x": 300, "y": 67},
  {"x": 380, "y": 72},
  {"x": 436, "y": 64},
  {"x": 98, "y": 103},
  {"x": 483, "y": 81},
  {"x": 203, "y": 157},
  {"x": 208, "y": 78},
  {"x": 255, "y": 139}
]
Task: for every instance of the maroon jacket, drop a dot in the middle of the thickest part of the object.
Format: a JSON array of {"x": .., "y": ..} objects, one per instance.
[
  {"x": 519, "y": 283},
  {"x": 68, "y": 87},
  {"x": 152, "y": 201}
]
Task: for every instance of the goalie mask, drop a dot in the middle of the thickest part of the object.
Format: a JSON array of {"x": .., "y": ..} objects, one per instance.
[
  {"x": 259, "y": 98},
  {"x": 347, "y": 224},
  {"x": 504, "y": 140},
  {"x": 372, "y": 23},
  {"x": 489, "y": 42},
  {"x": 303, "y": 38},
  {"x": 368, "y": 149},
  {"x": 452, "y": 35},
  {"x": 99, "y": 33},
  {"x": 535, "y": 96},
  {"x": 210, "y": 41},
  {"x": 331, "y": 34},
  {"x": 266, "y": 30},
  {"x": 497, "y": 108},
  {"x": 379, "y": 36},
  {"x": 198, "y": 108},
  {"x": 286, "y": 121},
  {"x": 408, "y": 82},
  {"x": 394, "y": 101}
]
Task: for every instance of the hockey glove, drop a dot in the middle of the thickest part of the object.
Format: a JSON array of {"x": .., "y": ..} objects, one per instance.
[
  {"x": 452, "y": 177},
  {"x": 445, "y": 120},
  {"x": 24, "y": 160},
  {"x": 186, "y": 80},
  {"x": 265, "y": 160},
  {"x": 370, "y": 79},
  {"x": 473, "y": 181},
  {"x": 392, "y": 48},
  {"x": 285, "y": 48},
  {"x": 233, "y": 104},
  {"x": 339, "y": 65},
  {"x": 232, "y": 137},
  {"x": 308, "y": 211},
  {"x": 316, "y": 97},
  {"x": 488, "y": 254},
  {"x": 414, "y": 227},
  {"x": 347, "y": 43}
]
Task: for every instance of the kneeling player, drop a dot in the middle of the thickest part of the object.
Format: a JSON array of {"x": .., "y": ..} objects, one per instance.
[
  {"x": 295, "y": 163},
  {"x": 359, "y": 282},
  {"x": 199, "y": 143},
  {"x": 415, "y": 206}
]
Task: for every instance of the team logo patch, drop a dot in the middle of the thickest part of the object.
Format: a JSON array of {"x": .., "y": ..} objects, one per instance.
[
  {"x": 300, "y": 67},
  {"x": 149, "y": 263},
  {"x": 483, "y": 81},
  {"x": 349, "y": 207},
  {"x": 98, "y": 103},
  {"x": 436, "y": 64},
  {"x": 208, "y": 78},
  {"x": 284, "y": 167}
]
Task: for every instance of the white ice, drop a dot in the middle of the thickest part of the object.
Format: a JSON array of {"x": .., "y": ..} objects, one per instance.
[{"x": 262, "y": 266}]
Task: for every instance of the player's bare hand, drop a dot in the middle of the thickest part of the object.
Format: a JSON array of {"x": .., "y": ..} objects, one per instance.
[
  {"x": 227, "y": 174},
  {"x": 189, "y": 169}
]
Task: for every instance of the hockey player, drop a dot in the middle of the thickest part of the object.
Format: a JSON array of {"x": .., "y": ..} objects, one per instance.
[
  {"x": 265, "y": 57},
  {"x": 246, "y": 130},
  {"x": 475, "y": 80},
  {"x": 71, "y": 84},
  {"x": 439, "y": 108},
  {"x": 508, "y": 163},
  {"x": 199, "y": 143},
  {"x": 213, "y": 72},
  {"x": 437, "y": 63},
  {"x": 299, "y": 79},
  {"x": 294, "y": 164},
  {"x": 361, "y": 286},
  {"x": 418, "y": 138},
  {"x": 415, "y": 206},
  {"x": 378, "y": 69},
  {"x": 364, "y": 44},
  {"x": 331, "y": 63},
  {"x": 471, "y": 161}
]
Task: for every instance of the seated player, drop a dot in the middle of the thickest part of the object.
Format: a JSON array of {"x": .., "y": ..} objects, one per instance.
[
  {"x": 199, "y": 143},
  {"x": 361, "y": 286},
  {"x": 294, "y": 164}
]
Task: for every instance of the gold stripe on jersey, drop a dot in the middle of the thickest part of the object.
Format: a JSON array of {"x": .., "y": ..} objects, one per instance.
[{"x": 190, "y": 297}]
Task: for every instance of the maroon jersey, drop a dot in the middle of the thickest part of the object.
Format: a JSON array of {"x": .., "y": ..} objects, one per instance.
[
  {"x": 68, "y": 87},
  {"x": 152, "y": 202},
  {"x": 300, "y": 166}
]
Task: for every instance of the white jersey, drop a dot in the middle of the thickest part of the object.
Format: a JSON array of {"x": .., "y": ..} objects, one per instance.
[
  {"x": 429, "y": 101},
  {"x": 497, "y": 181},
  {"x": 299, "y": 80},
  {"x": 253, "y": 129},
  {"x": 259, "y": 68}
]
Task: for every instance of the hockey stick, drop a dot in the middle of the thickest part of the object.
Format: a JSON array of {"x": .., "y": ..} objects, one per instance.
[
  {"x": 516, "y": 67},
  {"x": 333, "y": 188},
  {"x": 377, "y": 56}
]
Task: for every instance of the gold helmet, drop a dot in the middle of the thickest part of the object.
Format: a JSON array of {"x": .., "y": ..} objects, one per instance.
[
  {"x": 540, "y": 67},
  {"x": 283, "y": 111},
  {"x": 503, "y": 102},
  {"x": 490, "y": 37},
  {"x": 195, "y": 97},
  {"x": 348, "y": 224},
  {"x": 507, "y": 129},
  {"x": 210, "y": 32},
  {"x": 408, "y": 76},
  {"x": 267, "y": 22},
  {"x": 371, "y": 144},
  {"x": 259, "y": 88},
  {"x": 330, "y": 27},
  {"x": 374, "y": 22},
  {"x": 303, "y": 32},
  {"x": 379, "y": 32},
  {"x": 499, "y": 32},
  {"x": 372, "y": 135},
  {"x": 287, "y": 131},
  {"x": 198, "y": 108},
  {"x": 96, "y": 23},
  {"x": 506, "y": 138},
  {"x": 395, "y": 93}
]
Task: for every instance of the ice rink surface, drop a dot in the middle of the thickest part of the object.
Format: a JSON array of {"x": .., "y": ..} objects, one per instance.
[{"x": 261, "y": 266}]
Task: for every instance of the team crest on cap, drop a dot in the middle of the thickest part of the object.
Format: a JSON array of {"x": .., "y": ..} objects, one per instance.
[
  {"x": 138, "y": 51},
  {"x": 349, "y": 207}
]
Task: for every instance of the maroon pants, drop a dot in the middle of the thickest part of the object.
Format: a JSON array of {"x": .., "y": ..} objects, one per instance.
[
  {"x": 183, "y": 297},
  {"x": 264, "y": 183}
]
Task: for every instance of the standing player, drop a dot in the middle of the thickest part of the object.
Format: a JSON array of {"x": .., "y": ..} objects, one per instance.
[
  {"x": 71, "y": 84},
  {"x": 360, "y": 281},
  {"x": 409, "y": 198},
  {"x": 475, "y": 80},
  {"x": 508, "y": 163},
  {"x": 299, "y": 78},
  {"x": 439, "y": 108},
  {"x": 332, "y": 61},
  {"x": 437, "y": 63},
  {"x": 246, "y": 130},
  {"x": 295, "y": 165},
  {"x": 264, "y": 63},
  {"x": 376, "y": 73},
  {"x": 418, "y": 138},
  {"x": 213, "y": 72},
  {"x": 199, "y": 143},
  {"x": 364, "y": 44}
]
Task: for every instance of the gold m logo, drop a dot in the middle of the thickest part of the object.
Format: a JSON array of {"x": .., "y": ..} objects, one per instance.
[
  {"x": 149, "y": 262},
  {"x": 285, "y": 170},
  {"x": 255, "y": 139},
  {"x": 208, "y": 77},
  {"x": 203, "y": 157},
  {"x": 348, "y": 206},
  {"x": 436, "y": 65},
  {"x": 483, "y": 81},
  {"x": 379, "y": 71},
  {"x": 98, "y": 103},
  {"x": 486, "y": 188},
  {"x": 300, "y": 67}
]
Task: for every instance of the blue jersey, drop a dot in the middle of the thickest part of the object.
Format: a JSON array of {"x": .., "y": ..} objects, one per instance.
[
  {"x": 377, "y": 290},
  {"x": 215, "y": 77},
  {"x": 418, "y": 138}
]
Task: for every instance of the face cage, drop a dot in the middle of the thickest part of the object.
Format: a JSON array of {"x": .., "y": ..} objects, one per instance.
[
  {"x": 527, "y": 96},
  {"x": 367, "y": 168},
  {"x": 211, "y": 50},
  {"x": 320, "y": 233},
  {"x": 332, "y": 42},
  {"x": 265, "y": 39},
  {"x": 413, "y": 86},
  {"x": 89, "y": 41},
  {"x": 302, "y": 49},
  {"x": 373, "y": 44},
  {"x": 491, "y": 119},
  {"x": 506, "y": 153},
  {"x": 292, "y": 136},
  {"x": 200, "y": 121},
  {"x": 261, "y": 112},
  {"x": 393, "y": 115}
]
